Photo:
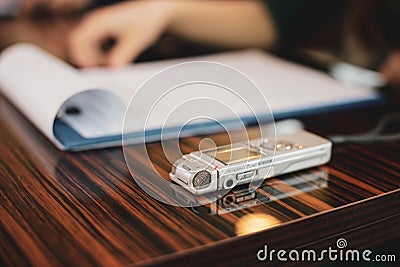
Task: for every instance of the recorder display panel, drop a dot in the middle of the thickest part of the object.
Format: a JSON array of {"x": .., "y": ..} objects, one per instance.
[{"x": 230, "y": 155}]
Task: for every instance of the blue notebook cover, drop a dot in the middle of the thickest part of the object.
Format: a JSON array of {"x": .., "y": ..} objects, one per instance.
[{"x": 73, "y": 141}]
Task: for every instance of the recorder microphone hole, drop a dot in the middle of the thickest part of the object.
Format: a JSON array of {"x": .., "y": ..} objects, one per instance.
[{"x": 202, "y": 179}]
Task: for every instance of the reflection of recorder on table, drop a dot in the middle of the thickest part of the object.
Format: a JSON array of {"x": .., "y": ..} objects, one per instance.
[
  {"x": 223, "y": 168},
  {"x": 242, "y": 197}
]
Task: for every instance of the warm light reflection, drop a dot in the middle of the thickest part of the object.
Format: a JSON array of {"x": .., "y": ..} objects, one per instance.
[{"x": 255, "y": 222}]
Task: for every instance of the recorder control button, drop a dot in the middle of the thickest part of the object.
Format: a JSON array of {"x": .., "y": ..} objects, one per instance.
[
  {"x": 279, "y": 145},
  {"x": 186, "y": 167},
  {"x": 283, "y": 145},
  {"x": 245, "y": 175}
]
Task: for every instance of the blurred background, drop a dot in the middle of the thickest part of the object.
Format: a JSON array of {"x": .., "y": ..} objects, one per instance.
[
  {"x": 363, "y": 32},
  {"x": 319, "y": 33}
]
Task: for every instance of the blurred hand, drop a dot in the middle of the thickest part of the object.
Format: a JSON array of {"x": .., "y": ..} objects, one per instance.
[
  {"x": 391, "y": 69},
  {"x": 133, "y": 25}
]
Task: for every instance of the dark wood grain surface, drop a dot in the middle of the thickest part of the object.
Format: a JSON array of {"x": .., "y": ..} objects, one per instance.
[{"x": 77, "y": 209}]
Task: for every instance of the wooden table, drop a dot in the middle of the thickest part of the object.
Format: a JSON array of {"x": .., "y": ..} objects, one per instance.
[{"x": 77, "y": 209}]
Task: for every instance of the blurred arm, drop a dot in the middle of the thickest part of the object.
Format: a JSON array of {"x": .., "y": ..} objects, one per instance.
[
  {"x": 225, "y": 23},
  {"x": 135, "y": 25}
]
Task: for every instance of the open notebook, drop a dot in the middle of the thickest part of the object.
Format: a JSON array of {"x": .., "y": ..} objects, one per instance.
[{"x": 84, "y": 109}]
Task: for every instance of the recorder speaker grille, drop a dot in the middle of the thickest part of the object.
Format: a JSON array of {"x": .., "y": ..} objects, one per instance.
[{"x": 201, "y": 179}]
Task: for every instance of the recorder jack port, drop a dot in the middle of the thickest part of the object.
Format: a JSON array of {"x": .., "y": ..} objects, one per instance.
[{"x": 229, "y": 182}]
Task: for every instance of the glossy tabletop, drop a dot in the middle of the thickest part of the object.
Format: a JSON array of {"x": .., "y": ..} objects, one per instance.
[{"x": 84, "y": 208}]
